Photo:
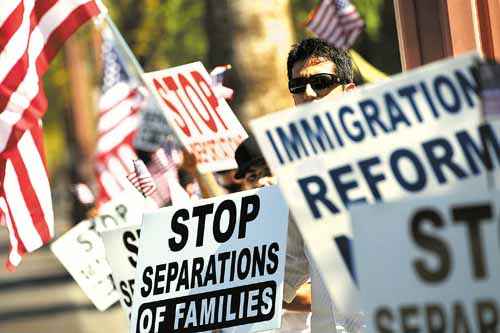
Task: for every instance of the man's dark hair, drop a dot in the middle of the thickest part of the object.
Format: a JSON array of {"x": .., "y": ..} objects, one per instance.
[{"x": 319, "y": 48}]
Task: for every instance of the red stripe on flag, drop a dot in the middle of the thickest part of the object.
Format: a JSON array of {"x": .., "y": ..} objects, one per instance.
[
  {"x": 30, "y": 197},
  {"x": 11, "y": 25},
  {"x": 77, "y": 17}
]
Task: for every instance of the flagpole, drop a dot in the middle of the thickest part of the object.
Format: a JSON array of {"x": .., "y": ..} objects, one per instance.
[
  {"x": 124, "y": 49},
  {"x": 122, "y": 44}
]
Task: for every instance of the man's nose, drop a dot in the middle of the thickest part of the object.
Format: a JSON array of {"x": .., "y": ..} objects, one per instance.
[{"x": 309, "y": 93}]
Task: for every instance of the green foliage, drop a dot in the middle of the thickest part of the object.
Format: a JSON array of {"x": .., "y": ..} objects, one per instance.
[{"x": 161, "y": 33}]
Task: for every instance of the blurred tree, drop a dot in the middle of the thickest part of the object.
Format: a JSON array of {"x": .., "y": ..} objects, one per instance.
[
  {"x": 377, "y": 43},
  {"x": 253, "y": 36}
]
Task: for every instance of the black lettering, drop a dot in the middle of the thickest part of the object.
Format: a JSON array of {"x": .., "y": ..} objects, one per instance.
[
  {"x": 432, "y": 244},
  {"x": 229, "y": 206},
  {"x": 180, "y": 229},
  {"x": 460, "y": 321},
  {"x": 273, "y": 257},
  {"x": 201, "y": 213},
  {"x": 487, "y": 315},
  {"x": 383, "y": 320},
  {"x": 146, "y": 279},
  {"x": 408, "y": 314},
  {"x": 247, "y": 216},
  {"x": 472, "y": 216},
  {"x": 436, "y": 318},
  {"x": 129, "y": 240}
]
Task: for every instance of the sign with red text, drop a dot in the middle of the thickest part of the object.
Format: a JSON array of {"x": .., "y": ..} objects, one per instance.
[
  {"x": 436, "y": 266},
  {"x": 204, "y": 123},
  {"x": 212, "y": 264}
]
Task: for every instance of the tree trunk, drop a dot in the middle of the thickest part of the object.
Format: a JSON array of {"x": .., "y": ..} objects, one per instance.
[
  {"x": 255, "y": 37},
  {"x": 80, "y": 123}
]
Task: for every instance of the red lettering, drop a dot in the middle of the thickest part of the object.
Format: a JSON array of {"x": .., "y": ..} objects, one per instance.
[
  {"x": 169, "y": 81},
  {"x": 179, "y": 120},
  {"x": 210, "y": 122},
  {"x": 208, "y": 93}
]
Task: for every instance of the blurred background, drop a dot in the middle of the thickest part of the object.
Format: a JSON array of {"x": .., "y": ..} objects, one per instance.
[{"x": 253, "y": 36}]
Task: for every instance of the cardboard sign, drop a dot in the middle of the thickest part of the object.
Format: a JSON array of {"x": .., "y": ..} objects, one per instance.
[
  {"x": 153, "y": 128},
  {"x": 416, "y": 134},
  {"x": 122, "y": 247},
  {"x": 218, "y": 263},
  {"x": 81, "y": 252},
  {"x": 204, "y": 123},
  {"x": 430, "y": 264}
]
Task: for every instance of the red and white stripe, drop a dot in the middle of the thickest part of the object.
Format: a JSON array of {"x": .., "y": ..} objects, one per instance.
[
  {"x": 26, "y": 199},
  {"x": 141, "y": 179},
  {"x": 337, "y": 22},
  {"x": 31, "y": 33},
  {"x": 117, "y": 126}
]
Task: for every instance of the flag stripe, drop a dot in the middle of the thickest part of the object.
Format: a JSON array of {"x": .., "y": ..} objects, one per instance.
[
  {"x": 10, "y": 26},
  {"x": 337, "y": 21},
  {"x": 20, "y": 92}
]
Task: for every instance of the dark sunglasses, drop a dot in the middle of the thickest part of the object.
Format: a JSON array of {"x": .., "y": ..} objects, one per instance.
[{"x": 317, "y": 82}]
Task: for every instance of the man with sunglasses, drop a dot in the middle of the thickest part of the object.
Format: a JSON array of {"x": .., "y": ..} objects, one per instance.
[{"x": 316, "y": 71}]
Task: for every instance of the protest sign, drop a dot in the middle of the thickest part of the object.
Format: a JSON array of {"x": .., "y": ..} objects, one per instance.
[
  {"x": 153, "y": 128},
  {"x": 122, "y": 246},
  {"x": 214, "y": 264},
  {"x": 203, "y": 122},
  {"x": 124, "y": 210},
  {"x": 81, "y": 252},
  {"x": 430, "y": 264},
  {"x": 416, "y": 134}
]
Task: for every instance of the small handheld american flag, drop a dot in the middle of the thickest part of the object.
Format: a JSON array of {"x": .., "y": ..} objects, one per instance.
[
  {"x": 142, "y": 179},
  {"x": 336, "y": 21}
]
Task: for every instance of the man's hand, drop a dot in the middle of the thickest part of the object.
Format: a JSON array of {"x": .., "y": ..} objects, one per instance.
[{"x": 302, "y": 300}]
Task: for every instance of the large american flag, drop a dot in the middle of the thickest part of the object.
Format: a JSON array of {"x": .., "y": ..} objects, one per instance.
[
  {"x": 336, "y": 21},
  {"x": 31, "y": 33},
  {"x": 117, "y": 126}
]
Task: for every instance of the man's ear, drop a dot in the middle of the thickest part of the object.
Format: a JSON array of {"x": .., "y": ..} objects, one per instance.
[{"x": 349, "y": 86}]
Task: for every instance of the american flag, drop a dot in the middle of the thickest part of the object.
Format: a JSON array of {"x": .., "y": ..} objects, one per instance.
[
  {"x": 217, "y": 76},
  {"x": 117, "y": 126},
  {"x": 336, "y": 21},
  {"x": 163, "y": 171},
  {"x": 31, "y": 33}
]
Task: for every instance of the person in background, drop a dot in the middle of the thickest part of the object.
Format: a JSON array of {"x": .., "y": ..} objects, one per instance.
[
  {"x": 316, "y": 71},
  {"x": 252, "y": 173}
]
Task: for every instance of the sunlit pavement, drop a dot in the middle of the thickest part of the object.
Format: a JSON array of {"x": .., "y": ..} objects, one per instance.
[{"x": 41, "y": 297}]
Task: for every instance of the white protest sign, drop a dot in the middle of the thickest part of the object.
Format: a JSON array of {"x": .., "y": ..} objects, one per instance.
[
  {"x": 430, "y": 264},
  {"x": 204, "y": 123},
  {"x": 415, "y": 134},
  {"x": 122, "y": 246},
  {"x": 124, "y": 210},
  {"x": 217, "y": 263},
  {"x": 81, "y": 252}
]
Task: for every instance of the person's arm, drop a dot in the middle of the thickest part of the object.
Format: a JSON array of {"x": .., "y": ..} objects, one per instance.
[
  {"x": 207, "y": 182},
  {"x": 296, "y": 292}
]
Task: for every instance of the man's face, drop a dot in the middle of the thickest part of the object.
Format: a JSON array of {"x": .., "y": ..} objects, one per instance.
[
  {"x": 257, "y": 176},
  {"x": 312, "y": 66}
]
